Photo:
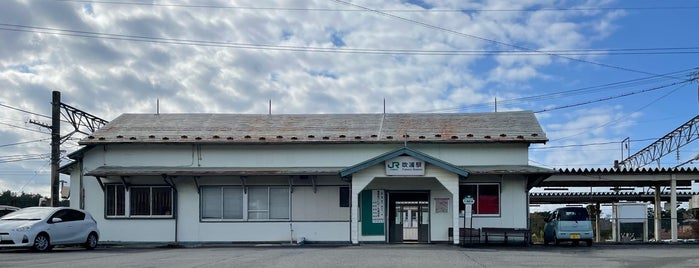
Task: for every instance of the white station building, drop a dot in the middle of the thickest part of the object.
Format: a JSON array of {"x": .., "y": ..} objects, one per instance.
[{"x": 323, "y": 178}]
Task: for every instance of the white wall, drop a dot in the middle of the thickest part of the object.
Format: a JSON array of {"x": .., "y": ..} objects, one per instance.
[
  {"x": 307, "y": 210},
  {"x": 294, "y": 155}
]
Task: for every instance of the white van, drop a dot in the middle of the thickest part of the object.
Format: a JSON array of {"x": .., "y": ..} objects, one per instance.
[{"x": 568, "y": 224}]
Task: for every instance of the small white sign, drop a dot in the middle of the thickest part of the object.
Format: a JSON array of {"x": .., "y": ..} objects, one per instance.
[{"x": 405, "y": 166}]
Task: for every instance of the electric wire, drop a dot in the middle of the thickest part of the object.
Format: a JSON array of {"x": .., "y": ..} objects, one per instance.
[
  {"x": 23, "y": 128},
  {"x": 23, "y": 142},
  {"x": 25, "y": 111},
  {"x": 371, "y": 51},
  {"x": 430, "y": 26},
  {"x": 614, "y": 97},
  {"x": 431, "y": 10}
]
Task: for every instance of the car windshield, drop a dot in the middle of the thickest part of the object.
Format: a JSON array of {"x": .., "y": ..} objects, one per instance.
[
  {"x": 574, "y": 214},
  {"x": 29, "y": 214}
]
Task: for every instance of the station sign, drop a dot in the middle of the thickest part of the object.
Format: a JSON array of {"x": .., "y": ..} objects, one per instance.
[{"x": 405, "y": 166}]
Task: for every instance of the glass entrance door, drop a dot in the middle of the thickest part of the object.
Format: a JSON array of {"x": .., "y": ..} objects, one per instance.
[{"x": 409, "y": 217}]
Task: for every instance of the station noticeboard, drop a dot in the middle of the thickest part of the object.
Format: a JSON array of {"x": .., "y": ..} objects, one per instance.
[{"x": 373, "y": 212}]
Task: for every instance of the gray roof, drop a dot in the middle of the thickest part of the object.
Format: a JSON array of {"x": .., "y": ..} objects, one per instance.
[{"x": 520, "y": 127}]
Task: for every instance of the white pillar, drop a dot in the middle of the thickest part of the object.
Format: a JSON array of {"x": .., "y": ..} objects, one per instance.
[
  {"x": 673, "y": 207},
  {"x": 354, "y": 220}
]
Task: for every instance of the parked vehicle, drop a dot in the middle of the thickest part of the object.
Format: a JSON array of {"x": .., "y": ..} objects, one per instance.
[
  {"x": 568, "y": 224},
  {"x": 4, "y": 210},
  {"x": 41, "y": 228}
]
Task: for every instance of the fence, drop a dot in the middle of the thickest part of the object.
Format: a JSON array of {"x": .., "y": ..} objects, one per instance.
[{"x": 630, "y": 232}]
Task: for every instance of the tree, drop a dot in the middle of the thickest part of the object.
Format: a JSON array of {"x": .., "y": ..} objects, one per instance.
[{"x": 24, "y": 200}]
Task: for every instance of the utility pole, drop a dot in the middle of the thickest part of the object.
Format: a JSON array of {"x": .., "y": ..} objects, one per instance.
[
  {"x": 55, "y": 145},
  {"x": 77, "y": 119}
]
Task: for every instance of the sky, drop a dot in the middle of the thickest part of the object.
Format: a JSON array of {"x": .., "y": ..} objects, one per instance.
[{"x": 595, "y": 72}]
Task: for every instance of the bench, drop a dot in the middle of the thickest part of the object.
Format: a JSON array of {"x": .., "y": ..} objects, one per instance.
[
  {"x": 506, "y": 233},
  {"x": 466, "y": 234}
]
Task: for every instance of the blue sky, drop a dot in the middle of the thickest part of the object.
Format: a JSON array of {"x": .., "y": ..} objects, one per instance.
[{"x": 114, "y": 57}]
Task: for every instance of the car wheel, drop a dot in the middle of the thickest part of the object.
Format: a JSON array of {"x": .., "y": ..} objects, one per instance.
[
  {"x": 589, "y": 242},
  {"x": 91, "y": 242},
  {"x": 42, "y": 242}
]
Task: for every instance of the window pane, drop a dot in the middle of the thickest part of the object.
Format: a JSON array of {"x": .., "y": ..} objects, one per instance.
[
  {"x": 232, "y": 203},
  {"x": 162, "y": 200},
  {"x": 140, "y": 201},
  {"x": 111, "y": 196},
  {"x": 115, "y": 200},
  {"x": 211, "y": 202},
  {"x": 488, "y": 199},
  {"x": 345, "y": 197},
  {"x": 120, "y": 200},
  {"x": 279, "y": 203},
  {"x": 258, "y": 203}
]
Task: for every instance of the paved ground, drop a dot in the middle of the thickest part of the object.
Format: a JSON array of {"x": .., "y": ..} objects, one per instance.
[{"x": 433, "y": 256}]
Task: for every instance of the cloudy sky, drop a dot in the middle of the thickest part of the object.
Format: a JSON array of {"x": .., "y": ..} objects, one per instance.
[{"x": 595, "y": 72}]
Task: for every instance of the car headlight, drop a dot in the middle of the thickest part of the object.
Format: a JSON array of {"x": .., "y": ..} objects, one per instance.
[{"x": 23, "y": 228}]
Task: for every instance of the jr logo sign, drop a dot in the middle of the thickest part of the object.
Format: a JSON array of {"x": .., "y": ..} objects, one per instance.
[
  {"x": 393, "y": 165},
  {"x": 405, "y": 166}
]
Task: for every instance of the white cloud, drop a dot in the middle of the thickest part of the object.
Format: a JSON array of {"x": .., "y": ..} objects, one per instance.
[{"x": 107, "y": 76}]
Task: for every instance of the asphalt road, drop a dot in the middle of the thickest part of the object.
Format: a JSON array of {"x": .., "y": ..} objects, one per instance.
[{"x": 635, "y": 256}]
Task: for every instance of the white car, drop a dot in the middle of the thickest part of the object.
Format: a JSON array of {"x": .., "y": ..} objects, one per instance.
[
  {"x": 41, "y": 228},
  {"x": 4, "y": 210}
]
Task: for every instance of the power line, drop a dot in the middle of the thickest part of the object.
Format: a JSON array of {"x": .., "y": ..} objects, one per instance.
[
  {"x": 431, "y": 10},
  {"x": 25, "y": 111},
  {"x": 567, "y": 93},
  {"x": 430, "y": 26},
  {"x": 191, "y": 42},
  {"x": 23, "y": 142},
  {"x": 621, "y": 118},
  {"x": 586, "y": 144},
  {"x": 614, "y": 97},
  {"x": 24, "y": 128}
]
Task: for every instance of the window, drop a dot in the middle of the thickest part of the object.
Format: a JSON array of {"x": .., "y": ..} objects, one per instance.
[
  {"x": 143, "y": 201},
  {"x": 222, "y": 203},
  {"x": 344, "y": 197},
  {"x": 228, "y": 203},
  {"x": 486, "y": 197}
]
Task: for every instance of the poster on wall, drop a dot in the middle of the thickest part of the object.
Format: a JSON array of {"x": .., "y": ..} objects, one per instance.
[
  {"x": 377, "y": 204},
  {"x": 441, "y": 205}
]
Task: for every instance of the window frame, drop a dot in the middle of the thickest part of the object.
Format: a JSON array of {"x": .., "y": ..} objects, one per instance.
[
  {"x": 126, "y": 199},
  {"x": 246, "y": 191},
  {"x": 476, "y": 197}
]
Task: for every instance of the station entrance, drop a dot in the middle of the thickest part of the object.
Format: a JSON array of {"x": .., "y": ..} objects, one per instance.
[{"x": 408, "y": 217}]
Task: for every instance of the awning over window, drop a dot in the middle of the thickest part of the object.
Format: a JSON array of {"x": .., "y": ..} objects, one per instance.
[{"x": 104, "y": 171}]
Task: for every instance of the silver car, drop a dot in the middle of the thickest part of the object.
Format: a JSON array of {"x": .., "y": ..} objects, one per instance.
[
  {"x": 41, "y": 228},
  {"x": 568, "y": 224}
]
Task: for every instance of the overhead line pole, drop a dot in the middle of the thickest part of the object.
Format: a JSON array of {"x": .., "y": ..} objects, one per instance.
[
  {"x": 77, "y": 119},
  {"x": 55, "y": 145}
]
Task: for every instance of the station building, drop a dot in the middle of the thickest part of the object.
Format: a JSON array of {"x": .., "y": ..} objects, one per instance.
[{"x": 322, "y": 178}]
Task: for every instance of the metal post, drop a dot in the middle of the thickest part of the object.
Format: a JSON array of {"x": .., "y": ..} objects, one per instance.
[
  {"x": 673, "y": 208},
  {"x": 597, "y": 218},
  {"x": 656, "y": 218},
  {"x": 55, "y": 146}
]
